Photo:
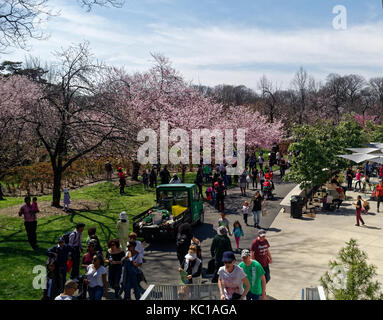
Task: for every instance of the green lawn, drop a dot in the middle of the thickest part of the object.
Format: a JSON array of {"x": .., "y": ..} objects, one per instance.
[{"x": 17, "y": 259}]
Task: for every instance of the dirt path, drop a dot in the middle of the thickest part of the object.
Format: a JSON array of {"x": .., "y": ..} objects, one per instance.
[{"x": 46, "y": 210}]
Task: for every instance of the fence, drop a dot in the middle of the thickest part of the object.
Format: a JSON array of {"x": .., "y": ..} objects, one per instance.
[
  {"x": 182, "y": 292},
  {"x": 313, "y": 294}
]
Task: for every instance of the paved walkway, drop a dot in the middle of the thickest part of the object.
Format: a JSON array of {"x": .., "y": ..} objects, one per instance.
[
  {"x": 303, "y": 247},
  {"x": 161, "y": 265}
]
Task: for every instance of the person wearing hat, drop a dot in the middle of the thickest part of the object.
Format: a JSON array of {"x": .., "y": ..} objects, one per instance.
[
  {"x": 175, "y": 179},
  {"x": 61, "y": 253},
  {"x": 75, "y": 242},
  {"x": 256, "y": 276},
  {"x": 123, "y": 229},
  {"x": 219, "y": 245},
  {"x": 232, "y": 282},
  {"x": 261, "y": 253},
  {"x": 66, "y": 199}
]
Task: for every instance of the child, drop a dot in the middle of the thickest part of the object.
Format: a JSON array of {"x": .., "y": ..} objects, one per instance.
[
  {"x": 245, "y": 211},
  {"x": 238, "y": 232},
  {"x": 123, "y": 230},
  {"x": 224, "y": 222},
  {"x": 35, "y": 207},
  {"x": 66, "y": 199},
  {"x": 325, "y": 204},
  {"x": 366, "y": 206},
  {"x": 209, "y": 192}
]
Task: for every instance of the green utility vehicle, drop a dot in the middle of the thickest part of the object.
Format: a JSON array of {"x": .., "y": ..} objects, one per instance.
[{"x": 176, "y": 204}]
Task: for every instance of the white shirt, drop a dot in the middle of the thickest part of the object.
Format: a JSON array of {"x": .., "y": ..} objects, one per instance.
[
  {"x": 95, "y": 276},
  {"x": 232, "y": 282},
  {"x": 62, "y": 297},
  {"x": 245, "y": 209}
]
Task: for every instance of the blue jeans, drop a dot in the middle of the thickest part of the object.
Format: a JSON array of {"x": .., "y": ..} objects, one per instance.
[
  {"x": 96, "y": 293},
  {"x": 257, "y": 216},
  {"x": 252, "y": 296}
]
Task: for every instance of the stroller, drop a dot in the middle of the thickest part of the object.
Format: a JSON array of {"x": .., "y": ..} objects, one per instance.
[{"x": 268, "y": 190}]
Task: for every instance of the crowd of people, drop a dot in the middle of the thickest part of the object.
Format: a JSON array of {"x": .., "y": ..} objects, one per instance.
[
  {"x": 118, "y": 268},
  {"x": 94, "y": 272}
]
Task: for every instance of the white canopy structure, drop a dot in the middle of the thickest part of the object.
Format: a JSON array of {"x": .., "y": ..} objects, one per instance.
[
  {"x": 358, "y": 157},
  {"x": 364, "y": 150},
  {"x": 373, "y": 153}
]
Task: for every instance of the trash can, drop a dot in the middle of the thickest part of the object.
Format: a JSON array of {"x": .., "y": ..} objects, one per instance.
[{"x": 297, "y": 204}]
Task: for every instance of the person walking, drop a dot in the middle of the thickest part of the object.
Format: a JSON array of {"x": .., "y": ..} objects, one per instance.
[
  {"x": 232, "y": 282},
  {"x": 75, "y": 242},
  {"x": 245, "y": 211},
  {"x": 349, "y": 176},
  {"x": 358, "y": 206},
  {"x": 219, "y": 245},
  {"x": 96, "y": 279},
  {"x": 243, "y": 182},
  {"x": 153, "y": 178},
  {"x": 379, "y": 192},
  {"x": 30, "y": 222},
  {"x": 123, "y": 229},
  {"x": 70, "y": 288},
  {"x": 261, "y": 253},
  {"x": 131, "y": 262},
  {"x": 114, "y": 257},
  {"x": 108, "y": 171},
  {"x": 199, "y": 181},
  {"x": 165, "y": 175},
  {"x": 256, "y": 276},
  {"x": 191, "y": 265},
  {"x": 122, "y": 180},
  {"x": 261, "y": 178},
  {"x": 261, "y": 161},
  {"x": 220, "y": 195},
  {"x": 184, "y": 236},
  {"x": 255, "y": 177},
  {"x": 257, "y": 203},
  {"x": 145, "y": 179},
  {"x": 224, "y": 222},
  {"x": 66, "y": 200},
  {"x": 61, "y": 253},
  {"x": 358, "y": 177},
  {"x": 238, "y": 233}
]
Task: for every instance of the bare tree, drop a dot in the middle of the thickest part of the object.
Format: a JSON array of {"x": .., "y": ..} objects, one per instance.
[
  {"x": 269, "y": 97},
  {"x": 377, "y": 87},
  {"x": 301, "y": 83},
  {"x": 20, "y": 20}
]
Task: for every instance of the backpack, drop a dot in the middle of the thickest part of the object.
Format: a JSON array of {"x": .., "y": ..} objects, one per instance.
[{"x": 65, "y": 236}]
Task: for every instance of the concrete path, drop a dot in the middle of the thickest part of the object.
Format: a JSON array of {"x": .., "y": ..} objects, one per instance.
[
  {"x": 303, "y": 248},
  {"x": 161, "y": 265}
]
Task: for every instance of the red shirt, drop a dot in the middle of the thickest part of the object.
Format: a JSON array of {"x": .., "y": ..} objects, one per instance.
[
  {"x": 379, "y": 191},
  {"x": 260, "y": 251},
  {"x": 268, "y": 176}
]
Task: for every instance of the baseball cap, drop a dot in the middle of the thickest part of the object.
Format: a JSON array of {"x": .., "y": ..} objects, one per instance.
[
  {"x": 61, "y": 239},
  {"x": 261, "y": 232},
  {"x": 228, "y": 256},
  {"x": 245, "y": 253}
]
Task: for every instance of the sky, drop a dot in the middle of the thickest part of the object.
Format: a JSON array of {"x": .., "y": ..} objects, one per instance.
[{"x": 213, "y": 42}]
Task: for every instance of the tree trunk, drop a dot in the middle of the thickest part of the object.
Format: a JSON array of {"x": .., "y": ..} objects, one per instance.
[{"x": 57, "y": 175}]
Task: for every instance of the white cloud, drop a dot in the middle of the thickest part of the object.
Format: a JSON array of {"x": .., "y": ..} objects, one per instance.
[{"x": 220, "y": 54}]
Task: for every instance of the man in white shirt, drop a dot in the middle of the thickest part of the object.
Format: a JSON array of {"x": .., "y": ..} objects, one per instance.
[
  {"x": 139, "y": 247},
  {"x": 69, "y": 290}
]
